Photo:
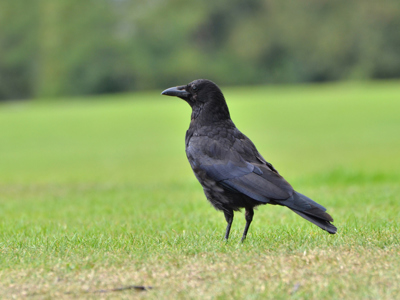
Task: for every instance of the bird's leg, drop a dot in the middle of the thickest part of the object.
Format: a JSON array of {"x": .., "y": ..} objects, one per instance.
[
  {"x": 249, "y": 217},
  {"x": 229, "y": 219}
]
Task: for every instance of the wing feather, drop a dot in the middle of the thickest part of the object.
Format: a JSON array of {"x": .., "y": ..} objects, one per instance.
[{"x": 227, "y": 167}]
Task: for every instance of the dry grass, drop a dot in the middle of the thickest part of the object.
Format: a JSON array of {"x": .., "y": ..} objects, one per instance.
[{"x": 328, "y": 274}]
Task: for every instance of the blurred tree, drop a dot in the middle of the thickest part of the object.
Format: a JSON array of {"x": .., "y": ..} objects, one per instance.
[
  {"x": 17, "y": 48},
  {"x": 70, "y": 47},
  {"x": 79, "y": 51}
]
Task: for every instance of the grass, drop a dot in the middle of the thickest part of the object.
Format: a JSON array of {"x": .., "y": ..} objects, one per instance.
[{"x": 97, "y": 195}]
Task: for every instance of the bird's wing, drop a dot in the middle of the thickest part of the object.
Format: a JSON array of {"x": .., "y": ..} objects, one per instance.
[{"x": 228, "y": 167}]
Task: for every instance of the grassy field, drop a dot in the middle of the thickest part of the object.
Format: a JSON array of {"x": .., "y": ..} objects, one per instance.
[{"x": 97, "y": 195}]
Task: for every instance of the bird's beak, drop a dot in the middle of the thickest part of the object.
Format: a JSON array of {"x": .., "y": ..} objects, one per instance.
[{"x": 178, "y": 91}]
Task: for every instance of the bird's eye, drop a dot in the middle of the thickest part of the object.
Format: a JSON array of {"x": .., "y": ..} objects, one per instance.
[{"x": 194, "y": 87}]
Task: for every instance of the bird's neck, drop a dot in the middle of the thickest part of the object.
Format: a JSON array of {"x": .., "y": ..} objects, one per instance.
[{"x": 209, "y": 113}]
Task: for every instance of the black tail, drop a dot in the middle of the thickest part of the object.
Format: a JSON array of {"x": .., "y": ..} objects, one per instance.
[
  {"x": 322, "y": 223},
  {"x": 310, "y": 210}
]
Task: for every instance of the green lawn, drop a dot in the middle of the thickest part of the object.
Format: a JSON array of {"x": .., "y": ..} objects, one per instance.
[{"x": 98, "y": 194}]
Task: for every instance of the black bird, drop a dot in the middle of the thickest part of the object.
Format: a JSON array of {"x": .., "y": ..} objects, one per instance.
[{"x": 229, "y": 167}]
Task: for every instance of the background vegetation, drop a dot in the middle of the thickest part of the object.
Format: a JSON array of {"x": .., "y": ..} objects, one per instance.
[{"x": 69, "y": 47}]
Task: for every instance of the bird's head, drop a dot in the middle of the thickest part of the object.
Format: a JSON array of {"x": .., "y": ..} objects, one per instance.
[
  {"x": 201, "y": 95},
  {"x": 196, "y": 92}
]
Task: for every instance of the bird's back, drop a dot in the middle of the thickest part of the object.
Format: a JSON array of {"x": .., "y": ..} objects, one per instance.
[{"x": 223, "y": 159}]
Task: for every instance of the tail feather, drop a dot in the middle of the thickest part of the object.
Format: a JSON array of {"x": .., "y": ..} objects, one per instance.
[
  {"x": 323, "y": 224},
  {"x": 310, "y": 210}
]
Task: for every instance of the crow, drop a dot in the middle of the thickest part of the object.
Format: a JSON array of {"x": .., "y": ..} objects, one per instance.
[{"x": 232, "y": 172}]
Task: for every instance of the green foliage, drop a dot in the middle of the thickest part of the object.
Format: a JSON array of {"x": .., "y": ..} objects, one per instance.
[
  {"x": 97, "y": 195},
  {"x": 18, "y": 46},
  {"x": 69, "y": 47}
]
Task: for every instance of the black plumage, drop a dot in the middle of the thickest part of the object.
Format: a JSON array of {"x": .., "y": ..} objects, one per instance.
[{"x": 232, "y": 172}]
